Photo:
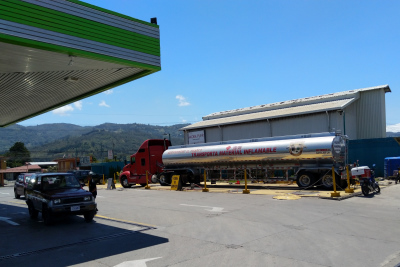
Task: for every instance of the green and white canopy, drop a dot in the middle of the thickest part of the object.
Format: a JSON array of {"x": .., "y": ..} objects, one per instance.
[{"x": 57, "y": 52}]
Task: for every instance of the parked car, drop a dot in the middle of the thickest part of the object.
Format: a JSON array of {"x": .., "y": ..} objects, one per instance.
[
  {"x": 58, "y": 194},
  {"x": 83, "y": 174},
  {"x": 20, "y": 184}
]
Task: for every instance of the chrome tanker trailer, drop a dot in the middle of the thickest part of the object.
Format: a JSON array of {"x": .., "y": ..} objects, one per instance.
[{"x": 311, "y": 157}]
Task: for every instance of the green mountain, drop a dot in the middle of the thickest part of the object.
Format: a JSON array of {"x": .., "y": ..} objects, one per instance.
[{"x": 51, "y": 141}]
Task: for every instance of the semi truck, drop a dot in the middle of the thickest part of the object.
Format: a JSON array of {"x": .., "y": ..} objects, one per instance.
[{"x": 310, "y": 157}]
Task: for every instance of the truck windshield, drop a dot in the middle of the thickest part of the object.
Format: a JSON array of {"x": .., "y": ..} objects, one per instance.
[{"x": 59, "y": 182}]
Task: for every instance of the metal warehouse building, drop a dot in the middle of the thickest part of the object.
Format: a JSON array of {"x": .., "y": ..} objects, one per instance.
[{"x": 359, "y": 113}]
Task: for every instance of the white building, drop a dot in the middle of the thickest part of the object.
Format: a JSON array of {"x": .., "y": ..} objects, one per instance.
[{"x": 360, "y": 114}]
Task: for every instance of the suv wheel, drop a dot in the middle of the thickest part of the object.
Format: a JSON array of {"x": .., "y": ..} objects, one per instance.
[
  {"x": 89, "y": 216},
  {"x": 16, "y": 194},
  {"x": 46, "y": 216},
  {"x": 32, "y": 212}
]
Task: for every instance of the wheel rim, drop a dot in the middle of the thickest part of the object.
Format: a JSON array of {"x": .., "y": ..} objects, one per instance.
[
  {"x": 327, "y": 180},
  {"x": 305, "y": 180},
  {"x": 125, "y": 182},
  {"x": 162, "y": 178}
]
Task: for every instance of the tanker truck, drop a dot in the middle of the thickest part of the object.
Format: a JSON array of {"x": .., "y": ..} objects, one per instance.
[{"x": 310, "y": 157}]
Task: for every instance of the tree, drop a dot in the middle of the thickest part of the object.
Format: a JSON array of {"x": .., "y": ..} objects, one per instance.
[{"x": 17, "y": 155}]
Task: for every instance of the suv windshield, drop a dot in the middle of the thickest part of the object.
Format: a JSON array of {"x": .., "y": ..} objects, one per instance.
[{"x": 59, "y": 182}]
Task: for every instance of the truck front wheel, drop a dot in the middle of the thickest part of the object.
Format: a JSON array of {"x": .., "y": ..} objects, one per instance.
[
  {"x": 124, "y": 182},
  {"x": 305, "y": 179}
]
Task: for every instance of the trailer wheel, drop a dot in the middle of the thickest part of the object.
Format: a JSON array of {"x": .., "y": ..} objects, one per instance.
[
  {"x": 164, "y": 179},
  {"x": 124, "y": 182},
  {"x": 327, "y": 181},
  {"x": 305, "y": 179}
]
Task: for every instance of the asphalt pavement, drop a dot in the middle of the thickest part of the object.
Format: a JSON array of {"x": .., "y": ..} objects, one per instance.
[{"x": 160, "y": 227}]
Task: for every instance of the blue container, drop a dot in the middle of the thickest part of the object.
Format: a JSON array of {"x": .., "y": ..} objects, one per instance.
[{"x": 391, "y": 164}]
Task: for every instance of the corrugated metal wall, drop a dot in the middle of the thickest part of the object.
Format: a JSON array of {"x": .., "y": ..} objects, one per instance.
[
  {"x": 373, "y": 151},
  {"x": 371, "y": 111},
  {"x": 303, "y": 124},
  {"x": 107, "y": 168},
  {"x": 246, "y": 130}
]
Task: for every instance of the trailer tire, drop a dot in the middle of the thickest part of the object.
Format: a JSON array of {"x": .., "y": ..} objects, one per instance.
[
  {"x": 164, "y": 179},
  {"x": 305, "y": 179},
  {"x": 327, "y": 181},
  {"x": 124, "y": 182}
]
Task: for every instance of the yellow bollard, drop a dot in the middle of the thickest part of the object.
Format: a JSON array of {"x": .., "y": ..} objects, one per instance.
[
  {"x": 334, "y": 194},
  {"x": 103, "y": 180},
  {"x": 348, "y": 189},
  {"x": 205, "y": 189},
  {"x": 245, "y": 191},
  {"x": 115, "y": 181},
  {"x": 147, "y": 181}
]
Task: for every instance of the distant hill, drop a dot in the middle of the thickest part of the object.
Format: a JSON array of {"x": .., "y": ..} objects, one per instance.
[
  {"x": 50, "y": 141},
  {"x": 391, "y": 134}
]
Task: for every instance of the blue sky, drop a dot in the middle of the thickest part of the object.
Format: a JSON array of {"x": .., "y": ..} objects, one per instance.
[{"x": 221, "y": 55}]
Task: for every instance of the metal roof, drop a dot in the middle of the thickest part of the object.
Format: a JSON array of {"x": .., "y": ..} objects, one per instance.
[
  {"x": 296, "y": 102},
  {"x": 43, "y": 163},
  {"x": 57, "y": 52},
  {"x": 276, "y": 113},
  {"x": 26, "y": 168}
]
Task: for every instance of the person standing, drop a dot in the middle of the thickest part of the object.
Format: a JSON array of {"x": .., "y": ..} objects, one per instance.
[{"x": 92, "y": 187}]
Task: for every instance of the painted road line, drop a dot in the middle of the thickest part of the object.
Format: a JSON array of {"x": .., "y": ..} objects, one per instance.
[
  {"x": 215, "y": 209},
  {"x": 8, "y": 220},
  {"x": 124, "y": 221},
  {"x": 16, "y": 202},
  {"x": 136, "y": 263}
]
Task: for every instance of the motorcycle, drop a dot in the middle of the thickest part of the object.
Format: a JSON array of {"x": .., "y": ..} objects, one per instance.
[{"x": 369, "y": 185}]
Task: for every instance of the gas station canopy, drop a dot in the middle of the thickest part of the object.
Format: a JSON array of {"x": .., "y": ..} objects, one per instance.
[{"x": 57, "y": 52}]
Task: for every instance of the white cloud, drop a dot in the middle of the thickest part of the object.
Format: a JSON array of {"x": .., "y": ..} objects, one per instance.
[
  {"x": 393, "y": 128},
  {"x": 108, "y": 92},
  {"x": 103, "y": 104},
  {"x": 78, "y": 105},
  {"x": 63, "y": 110},
  {"x": 182, "y": 101}
]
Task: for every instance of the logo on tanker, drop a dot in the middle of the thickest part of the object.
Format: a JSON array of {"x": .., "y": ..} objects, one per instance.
[{"x": 296, "y": 149}]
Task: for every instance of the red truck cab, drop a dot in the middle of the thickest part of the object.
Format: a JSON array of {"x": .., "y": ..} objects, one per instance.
[{"x": 147, "y": 159}]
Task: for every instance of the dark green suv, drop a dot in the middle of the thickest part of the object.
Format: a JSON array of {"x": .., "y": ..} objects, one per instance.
[{"x": 58, "y": 194}]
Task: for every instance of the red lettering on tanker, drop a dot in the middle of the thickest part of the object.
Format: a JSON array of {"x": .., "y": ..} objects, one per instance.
[
  {"x": 236, "y": 150},
  {"x": 323, "y": 151},
  {"x": 264, "y": 150}
]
